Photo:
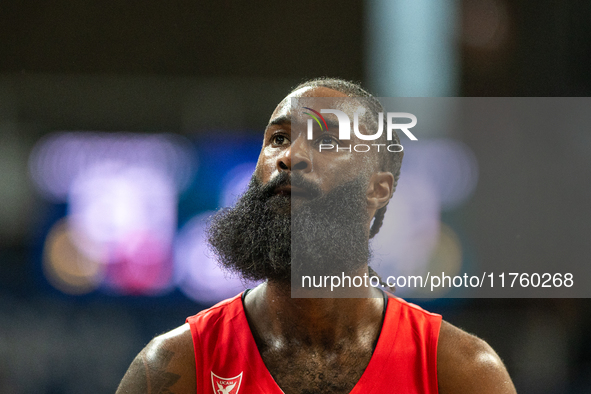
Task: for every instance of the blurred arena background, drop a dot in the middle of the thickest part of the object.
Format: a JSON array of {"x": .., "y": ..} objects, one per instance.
[{"x": 123, "y": 125}]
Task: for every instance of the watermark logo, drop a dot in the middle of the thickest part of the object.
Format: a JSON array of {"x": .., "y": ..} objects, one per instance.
[
  {"x": 344, "y": 124},
  {"x": 318, "y": 115}
]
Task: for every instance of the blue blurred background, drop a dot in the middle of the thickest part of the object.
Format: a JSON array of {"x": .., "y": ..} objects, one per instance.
[{"x": 124, "y": 125}]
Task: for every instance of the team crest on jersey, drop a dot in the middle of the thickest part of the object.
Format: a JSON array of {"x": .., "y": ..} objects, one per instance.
[{"x": 226, "y": 385}]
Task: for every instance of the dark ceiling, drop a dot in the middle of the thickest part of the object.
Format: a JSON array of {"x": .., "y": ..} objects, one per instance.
[{"x": 192, "y": 38}]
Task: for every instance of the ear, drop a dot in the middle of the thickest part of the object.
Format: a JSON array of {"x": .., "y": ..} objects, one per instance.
[{"x": 380, "y": 189}]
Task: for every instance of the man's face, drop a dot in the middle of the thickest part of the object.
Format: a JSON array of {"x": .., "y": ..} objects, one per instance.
[
  {"x": 304, "y": 210},
  {"x": 286, "y": 147}
]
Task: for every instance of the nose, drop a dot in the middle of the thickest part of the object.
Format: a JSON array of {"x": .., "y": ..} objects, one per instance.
[{"x": 295, "y": 158}]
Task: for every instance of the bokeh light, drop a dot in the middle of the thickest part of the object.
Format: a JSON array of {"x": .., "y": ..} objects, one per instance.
[
  {"x": 122, "y": 193},
  {"x": 66, "y": 268},
  {"x": 446, "y": 257},
  {"x": 58, "y": 158},
  {"x": 197, "y": 273},
  {"x": 448, "y": 164},
  {"x": 410, "y": 230},
  {"x": 235, "y": 183},
  {"x": 438, "y": 174}
]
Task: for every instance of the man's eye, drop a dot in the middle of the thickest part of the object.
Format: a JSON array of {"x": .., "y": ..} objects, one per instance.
[
  {"x": 328, "y": 140},
  {"x": 280, "y": 140}
]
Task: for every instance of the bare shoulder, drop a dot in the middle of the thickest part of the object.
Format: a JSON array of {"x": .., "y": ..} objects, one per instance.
[
  {"x": 467, "y": 364},
  {"x": 165, "y": 365}
]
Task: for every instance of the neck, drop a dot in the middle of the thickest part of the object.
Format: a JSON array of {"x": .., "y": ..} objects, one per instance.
[{"x": 276, "y": 317}]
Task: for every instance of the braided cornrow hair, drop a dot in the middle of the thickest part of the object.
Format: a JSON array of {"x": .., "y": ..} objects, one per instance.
[{"x": 390, "y": 163}]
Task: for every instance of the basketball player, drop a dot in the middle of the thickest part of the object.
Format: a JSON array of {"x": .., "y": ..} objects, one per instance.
[{"x": 265, "y": 341}]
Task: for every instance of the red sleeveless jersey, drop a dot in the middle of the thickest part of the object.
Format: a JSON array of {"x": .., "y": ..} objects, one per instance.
[{"x": 228, "y": 360}]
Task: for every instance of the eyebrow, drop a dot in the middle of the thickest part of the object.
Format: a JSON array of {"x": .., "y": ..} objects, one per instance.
[
  {"x": 286, "y": 119},
  {"x": 332, "y": 124},
  {"x": 280, "y": 120}
]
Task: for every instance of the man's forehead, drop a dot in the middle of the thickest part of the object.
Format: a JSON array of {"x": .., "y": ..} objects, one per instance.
[{"x": 317, "y": 96}]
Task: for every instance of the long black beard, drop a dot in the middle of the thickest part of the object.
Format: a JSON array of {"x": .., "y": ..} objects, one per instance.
[{"x": 261, "y": 237}]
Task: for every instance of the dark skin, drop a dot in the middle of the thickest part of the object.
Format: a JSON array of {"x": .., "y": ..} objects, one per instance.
[{"x": 312, "y": 345}]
